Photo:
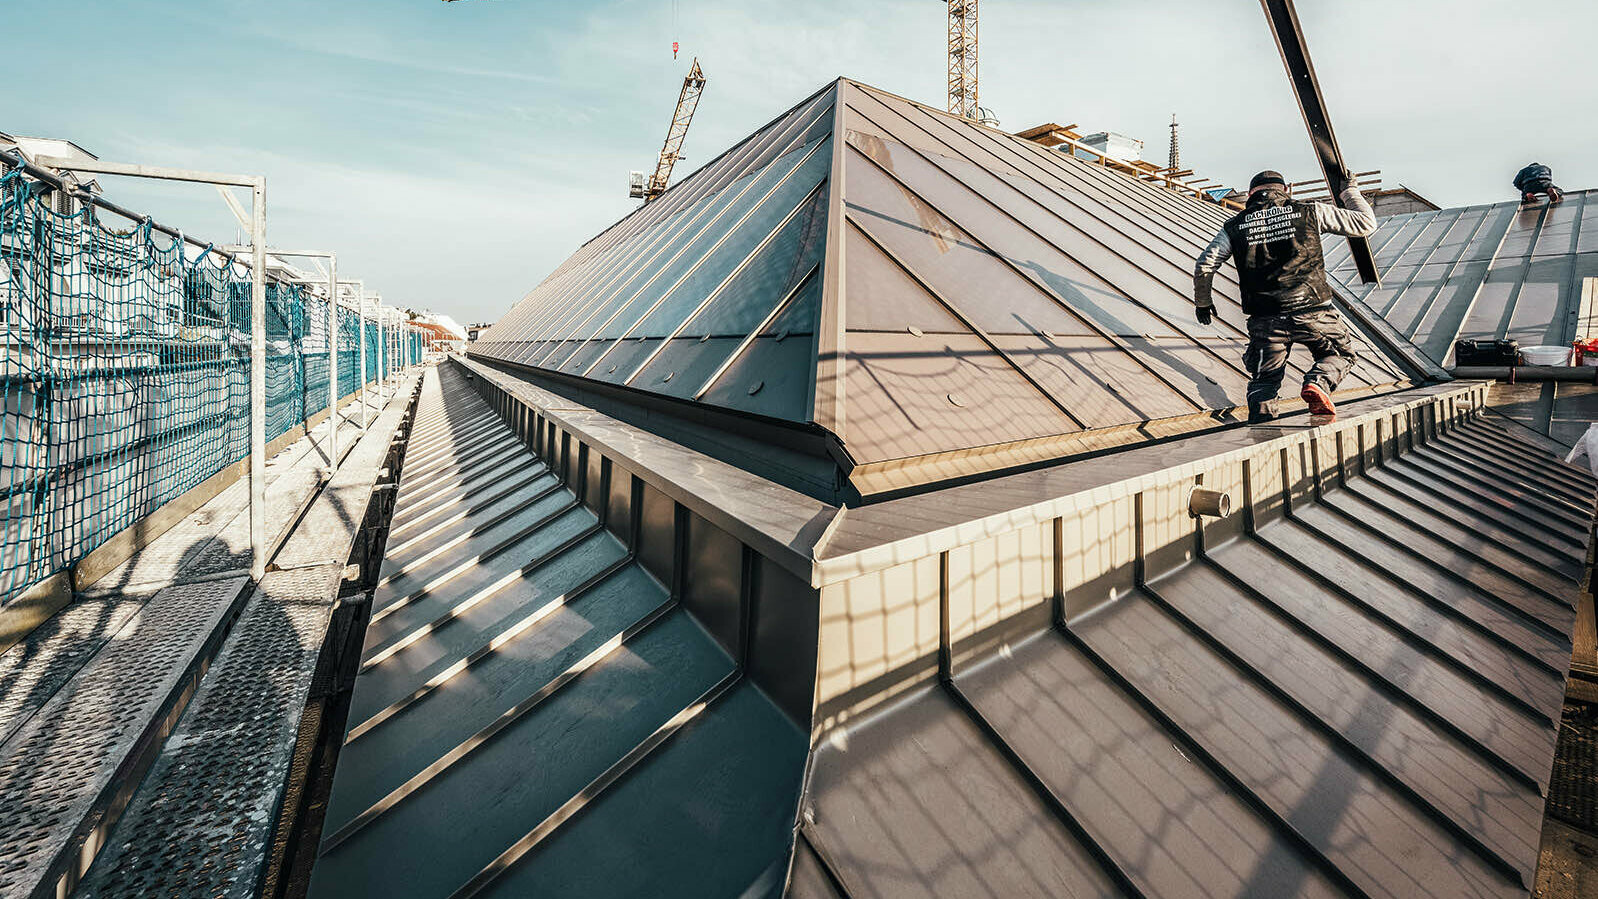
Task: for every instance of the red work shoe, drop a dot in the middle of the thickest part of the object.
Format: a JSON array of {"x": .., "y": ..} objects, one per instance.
[{"x": 1320, "y": 402}]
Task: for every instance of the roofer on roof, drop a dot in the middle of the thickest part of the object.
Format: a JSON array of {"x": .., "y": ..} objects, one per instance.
[
  {"x": 1535, "y": 179},
  {"x": 1275, "y": 242}
]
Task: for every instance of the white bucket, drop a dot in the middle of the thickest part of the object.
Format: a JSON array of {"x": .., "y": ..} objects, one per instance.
[{"x": 1545, "y": 355}]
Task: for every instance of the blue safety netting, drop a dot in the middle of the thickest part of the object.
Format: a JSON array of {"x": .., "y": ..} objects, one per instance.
[{"x": 124, "y": 373}]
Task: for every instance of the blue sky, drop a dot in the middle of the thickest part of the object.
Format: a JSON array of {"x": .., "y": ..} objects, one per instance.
[{"x": 455, "y": 153}]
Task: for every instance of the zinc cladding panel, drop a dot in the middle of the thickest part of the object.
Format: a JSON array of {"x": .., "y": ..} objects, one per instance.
[
  {"x": 773, "y": 375},
  {"x": 1017, "y": 226},
  {"x": 749, "y": 298},
  {"x": 1076, "y": 203},
  {"x": 963, "y": 188},
  {"x": 1183, "y": 380},
  {"x": 1001, "y": 296},
  {"x": 909, "y": 396},
  {"x": 1360, "y": 699},
  {"x": 1147, "y": 244},
  {"x": 763, "y": 224},
  {"x": 697, "y": 197},
  {"x": 1499, "y": 271},
  {"x": 617, "y": 246},
  {"x": 698, "y": 267},
  {"x": 661, "y": 268}
]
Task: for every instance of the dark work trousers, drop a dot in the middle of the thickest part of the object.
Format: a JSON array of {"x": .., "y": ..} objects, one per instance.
[
  {"x": 1271, "y": 338},
  {"x": 1544, "y": 186}
]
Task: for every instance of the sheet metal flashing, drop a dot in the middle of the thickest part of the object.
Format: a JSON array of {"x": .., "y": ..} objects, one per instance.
[
  {"x": 946, "y": 300},
  {"x": 1060, "y": 680},
  {"x": 1350, "y": 687},
  {"x": 781, "y": 524}
]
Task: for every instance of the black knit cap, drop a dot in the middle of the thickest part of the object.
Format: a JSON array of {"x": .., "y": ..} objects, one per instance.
[{"x": 1267, "y": 177}]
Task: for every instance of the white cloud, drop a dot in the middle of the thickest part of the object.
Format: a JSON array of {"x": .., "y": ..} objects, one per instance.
[{"x": 456, "y": 153}]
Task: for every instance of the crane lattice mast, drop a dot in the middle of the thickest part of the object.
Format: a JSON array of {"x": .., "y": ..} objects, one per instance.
[
  {"x": 1175, "y": 163},
  {"x": 692, "y": 86},
  {"x": 963, "y": 58}
]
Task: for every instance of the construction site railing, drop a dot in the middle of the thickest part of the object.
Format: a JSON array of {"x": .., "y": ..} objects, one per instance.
[{"x": 124, "y": 370}]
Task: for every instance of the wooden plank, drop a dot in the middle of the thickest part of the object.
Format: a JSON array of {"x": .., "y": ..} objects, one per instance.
[{"x": 1587, "y": 317}]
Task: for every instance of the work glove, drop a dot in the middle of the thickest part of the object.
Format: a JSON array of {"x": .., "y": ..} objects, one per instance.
[{"x": 1203, "y": 304}]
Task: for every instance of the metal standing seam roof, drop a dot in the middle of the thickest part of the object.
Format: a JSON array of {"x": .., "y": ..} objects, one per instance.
[
  {"x": 1350, "y": 687},
  {"x": 519, "y": 675},
  {"x": 1359, "y": 698},
  {"x": 926, "y": 289},
  {"x": 1497, "y": 271},
  {"x": 1493, "y": 271}
]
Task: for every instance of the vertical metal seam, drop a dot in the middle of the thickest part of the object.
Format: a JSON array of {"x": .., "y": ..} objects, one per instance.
[
  {"x": 945, "y": 637},
  {"x": 1221, "y": 773},
  {"x": 776, "y": 311},
  {"x": 725, "y": 282},
  {"x": 1406, "y": 633},
  {"x": 1493, "y": 600},
  {"x": 1378, "y": 681}
]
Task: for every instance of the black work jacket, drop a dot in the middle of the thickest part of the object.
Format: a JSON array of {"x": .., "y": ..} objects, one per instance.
[{"x": 1276, "y": 245}]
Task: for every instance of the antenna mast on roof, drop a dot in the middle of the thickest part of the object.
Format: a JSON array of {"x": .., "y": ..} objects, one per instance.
[
  {"x": 963, "y": 58},
  {"x": 692, "y": 86}
]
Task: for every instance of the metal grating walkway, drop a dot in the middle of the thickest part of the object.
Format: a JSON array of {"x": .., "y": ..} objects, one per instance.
[
  {"x": 535, "y": 712},
  {"x": 202, "y": 822},
  {"x": 87, "y": 699}
]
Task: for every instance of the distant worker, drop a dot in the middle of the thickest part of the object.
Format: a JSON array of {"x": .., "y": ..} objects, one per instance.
[
  {"x": 1275, "y": 242},
  {"x": 1537, "y": 179}
]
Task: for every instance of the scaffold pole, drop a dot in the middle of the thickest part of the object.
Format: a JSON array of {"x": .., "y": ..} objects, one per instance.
[{"x": 257, "y": 186}]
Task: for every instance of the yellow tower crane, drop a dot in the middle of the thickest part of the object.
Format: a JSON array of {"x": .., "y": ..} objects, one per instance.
[
  {"x": 963, "y": 58},
  {"x": 655, "y": 185}
]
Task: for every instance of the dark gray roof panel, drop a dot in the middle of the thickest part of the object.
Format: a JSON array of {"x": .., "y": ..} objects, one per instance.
[
  {"x": 1499, "y": 271},
  {"x": 710, "y": 815},
  {"x": 1170, "y": 825},
  {"x": 918, "y": 804},
  {"x": 519, "y": 657},
  {"x": 1359, "y": 698},
  {"x": 1061, "y": 289}
]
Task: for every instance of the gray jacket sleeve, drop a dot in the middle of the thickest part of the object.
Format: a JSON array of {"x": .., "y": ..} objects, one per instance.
[
  {"x": 1209, "y": 262},
  {"x": 1353, "y": 219}
]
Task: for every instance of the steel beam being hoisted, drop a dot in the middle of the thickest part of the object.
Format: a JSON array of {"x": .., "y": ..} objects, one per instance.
[
  {"x": 1289, "y": 36},
  {"x": 963, "y": 58},
  {"x": 692, "y": 86}
]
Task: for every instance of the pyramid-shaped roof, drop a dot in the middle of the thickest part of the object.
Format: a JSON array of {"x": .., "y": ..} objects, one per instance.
[{"x": 940, "y": 298}]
